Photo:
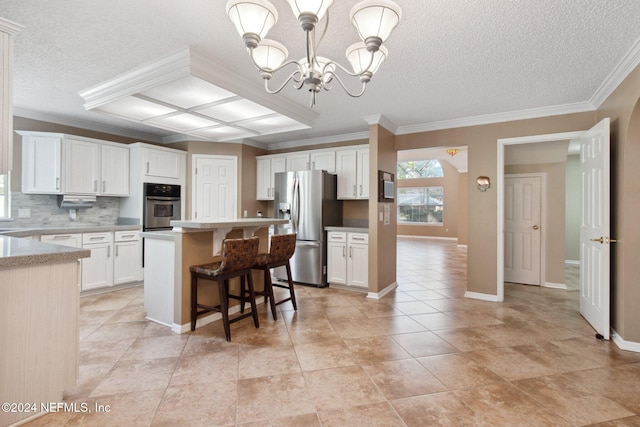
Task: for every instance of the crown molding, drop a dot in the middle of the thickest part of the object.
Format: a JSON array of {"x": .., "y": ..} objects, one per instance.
[
  {"x": 87, "y": 125},
  {"x": 10, "y": 27},
  {"x": 533, "y": 113},
  {"x": 628, "y": 63},
  {"x": 379, "y": 119},
  {"x": 318, "y": 141}
]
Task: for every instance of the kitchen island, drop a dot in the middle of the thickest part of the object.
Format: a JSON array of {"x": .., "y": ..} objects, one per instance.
[
  {"x": 169, "y": 254},
  {"x": 39, "y": 337}
]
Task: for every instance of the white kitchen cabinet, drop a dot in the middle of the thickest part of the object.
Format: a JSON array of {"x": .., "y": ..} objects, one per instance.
[
  {"x": 127, "y": 258},
  {"x": 352, "y": 168},
  {"x": 72, "y": 239},
  {"x": 41, "y": 164},
  {"x": 114, "y": 170},
  {"x": 161, "y": 163},
  {"x": 348, "y": 260},
  {"x": 323, "y": 160},
  {"x": 266, "y": 168},
  {"x": 97, "y": 270},
  {"x": 81, "y": 167},
  {"x": 297, "y": 161}
]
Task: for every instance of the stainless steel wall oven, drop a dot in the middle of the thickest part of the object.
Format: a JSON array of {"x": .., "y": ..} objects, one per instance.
[{"x": 161, "y": 205}]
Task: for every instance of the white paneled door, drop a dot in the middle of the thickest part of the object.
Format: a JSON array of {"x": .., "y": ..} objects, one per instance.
[
  {"x": 594, "y": 228},
  {"x": 522, "y": 229},
  {"x": 215, "y": 188}
]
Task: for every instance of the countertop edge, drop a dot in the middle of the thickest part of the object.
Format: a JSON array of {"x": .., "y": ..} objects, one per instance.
[
  {"x": 347, "y": 229},
  {"x": 43, "y": 231},
  {"x": 30, "y": 253}
]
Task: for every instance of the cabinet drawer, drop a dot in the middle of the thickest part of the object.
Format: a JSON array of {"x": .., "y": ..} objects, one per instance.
[
  {"x": 337, "y": 236},
  {"x": 73, "y": 240},
  {"x": 90, "y": 238},
  {"x": 127, "y": 236},
  {"x": 358, "y": 238}
]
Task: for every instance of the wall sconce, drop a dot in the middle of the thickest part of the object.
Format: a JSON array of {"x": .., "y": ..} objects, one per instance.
[
  {"x": 452, "y": 151},
  {"x": 483, "y": 183}
]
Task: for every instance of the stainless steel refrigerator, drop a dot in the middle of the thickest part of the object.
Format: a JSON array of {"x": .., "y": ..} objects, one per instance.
[{"x": 308, "y": 199}]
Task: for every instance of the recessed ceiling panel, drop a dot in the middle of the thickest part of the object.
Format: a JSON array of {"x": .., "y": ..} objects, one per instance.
[
  {"x": 272, "y": 124},
  {"x": 240, "y": 109},
  {"x": 135, "y": 108},
  {"x": 183, "y": 122},
  {"x": 188, "y": 92}
]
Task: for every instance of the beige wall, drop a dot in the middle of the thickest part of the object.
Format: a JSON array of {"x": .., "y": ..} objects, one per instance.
[
  {"x": 554, "y": 231},
  {"x": 623, "y": 108},
  {"x": 463, "y": 208},
  {"x": 382, "y": 238},
  {"x": 482, "y": 216},
  {"x": 450, "y": 184}
]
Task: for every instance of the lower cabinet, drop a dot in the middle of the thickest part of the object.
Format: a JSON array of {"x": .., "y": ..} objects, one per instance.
[
  {"x": 348, "y": 259},
  {"x": 116, "y": 257},
  {"x": 97, "y": 270},
  {"x": 127, "y": 259}
]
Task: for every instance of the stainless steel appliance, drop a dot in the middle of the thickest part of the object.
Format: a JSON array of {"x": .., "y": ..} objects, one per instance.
[
  {"x": 161, "y": 205},
  {"x": 308, "y": 199}
]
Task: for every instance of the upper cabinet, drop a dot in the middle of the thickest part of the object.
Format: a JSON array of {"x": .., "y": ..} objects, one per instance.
[
  {"x": 41, "y": 164},
  {"x": 352, "y": 168},
  {"x": 55, "y": 163},
  {"x": 323, "y": 160},
  {"x": 297, "y": 161},
  {"x": 266, "y": 168},
  {"x": 160, "y": 163}
]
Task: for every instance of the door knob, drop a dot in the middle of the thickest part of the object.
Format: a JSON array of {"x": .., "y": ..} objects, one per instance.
[
  {"x": 535, "y": 227},
  {"x": 604, "y": 240}
]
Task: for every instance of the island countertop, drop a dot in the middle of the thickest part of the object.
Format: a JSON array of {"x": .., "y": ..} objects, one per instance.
[
  {"x": 235, "y": 223},
  {"x": 17, "y": 252}
]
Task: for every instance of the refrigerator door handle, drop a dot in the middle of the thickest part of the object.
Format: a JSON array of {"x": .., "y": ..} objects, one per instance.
[
  {"x": 307, "y": 244},
  {"x": 295, "y": 205}
]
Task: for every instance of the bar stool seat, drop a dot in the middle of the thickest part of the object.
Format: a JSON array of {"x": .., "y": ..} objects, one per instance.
[
  {"x": 238, "y": 256},
  {"x": 282, "y": 248}
]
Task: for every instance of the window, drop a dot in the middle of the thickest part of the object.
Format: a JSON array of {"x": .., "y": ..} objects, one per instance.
[
  {"x": 420, "y": 205},
  {"x": 420, "y": 169},
  {"x": 5, "y": 207}
]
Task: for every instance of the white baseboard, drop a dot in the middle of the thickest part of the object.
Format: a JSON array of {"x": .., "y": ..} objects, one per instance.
[
  {"x": 382, "y": 293},
  {"x": 205, "y": 320},
  {"x": 482, "y": 297},
  {"x": 625, "y": 345},
  {"x": 555, "y": 285}
]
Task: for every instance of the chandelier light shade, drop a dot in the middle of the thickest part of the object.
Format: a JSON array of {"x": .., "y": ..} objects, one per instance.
[
  {"x": 452, "y": 151},
  {"x": 253, "y": 18},
  {"x": 374, "y": 20}
]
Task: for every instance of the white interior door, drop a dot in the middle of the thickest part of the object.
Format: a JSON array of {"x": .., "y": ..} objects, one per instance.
[
  {"x": 594, "y": 227},
  {"x": 215, "y": 188},
  {"x": 522, "y": 229}
]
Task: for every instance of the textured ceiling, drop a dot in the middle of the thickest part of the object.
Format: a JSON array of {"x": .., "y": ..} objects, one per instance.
[{"x": 450, "y": 62}]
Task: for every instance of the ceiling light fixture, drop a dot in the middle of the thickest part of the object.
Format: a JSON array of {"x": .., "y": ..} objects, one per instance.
[
  {"x": 452, "y": 151},
  {"x": 374, "y": 21}
]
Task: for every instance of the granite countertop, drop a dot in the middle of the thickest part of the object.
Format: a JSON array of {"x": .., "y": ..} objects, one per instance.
[
  {"x": 58, "y": 229},
  {"x": 235, "y": 223},
  {"x": 16, "y": 252},
  {"x": 347, "y": 229}
]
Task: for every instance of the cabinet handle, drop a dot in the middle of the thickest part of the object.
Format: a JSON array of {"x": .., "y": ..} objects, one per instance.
[
  {"x": 117, "y": 250},
  {"x": 350, "y": 252},
  {"x": 127, "y": 236},
  {"x": 95, "y": 186},
  {"x": 108, "y": 251},
  {"x": 361, "y": 189},
  {"x": 357, "y": 238},
  {"x": 104, "y": 186},
  {"x": 147, "y": 167},
  {"x": 61, "y": 237},
  {"x": 58, "y": 183},
  {"x": 354, "y": 190},
  {"x": 269, "y": 192},
  {"x": 344, "y": 251}
]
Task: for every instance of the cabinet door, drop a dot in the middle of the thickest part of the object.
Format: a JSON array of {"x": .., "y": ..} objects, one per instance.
[
  {"x": 81, "y": 167},
  {"x": 346, "y": 171},
  {"x": 297, "y": 162},
  {"x": 41, "y": 165},
  {"x": 362, "y": 171},
  {"x": 337, "y": 263},
  {"x": 73, "y": 240},
  {"x": 161, "y": 163},
  {"x": 127, "y": 262},
  {"x": 324, "y": 160},
  {"x": 97, "y": 271},
  {"x": 264, "y": 179},
  {"x": 358, "y": 266},
  {"x": 115, "y": 171},
  {"x": 278, "y": 164}
]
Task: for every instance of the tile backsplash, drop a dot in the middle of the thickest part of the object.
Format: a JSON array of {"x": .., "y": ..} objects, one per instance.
[{"x": 45, "y": 211}]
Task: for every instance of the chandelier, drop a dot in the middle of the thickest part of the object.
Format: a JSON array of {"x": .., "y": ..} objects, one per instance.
[{"x": 374, "y": 21}]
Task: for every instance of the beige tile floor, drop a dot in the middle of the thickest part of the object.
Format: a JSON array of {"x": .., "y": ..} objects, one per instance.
[{"x": 421, "y": 356}]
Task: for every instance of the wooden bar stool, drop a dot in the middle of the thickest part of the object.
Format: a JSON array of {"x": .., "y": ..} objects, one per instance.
[
  {"x": 281, "y": 250},
  {"x": 238, "y": 256}
]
